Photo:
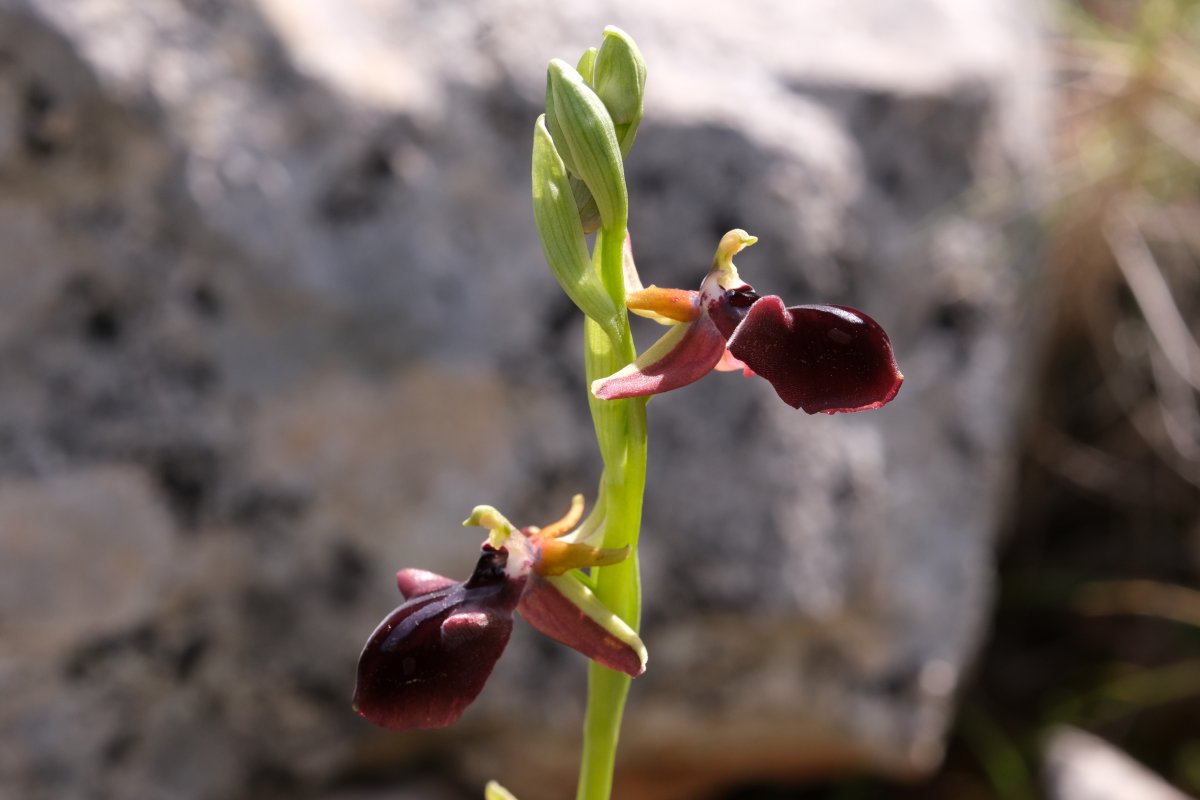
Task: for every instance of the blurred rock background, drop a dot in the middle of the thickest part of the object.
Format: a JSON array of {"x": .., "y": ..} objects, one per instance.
[{"x": 273, "y": 318}]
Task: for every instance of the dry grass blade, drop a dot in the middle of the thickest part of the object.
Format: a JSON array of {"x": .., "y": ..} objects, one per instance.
[
  {"x": 1153, "y": 295},
  {"x": 1140, "y": 597}
]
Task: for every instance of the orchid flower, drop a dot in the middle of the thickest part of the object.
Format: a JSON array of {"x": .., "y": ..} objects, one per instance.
[
  {"x": 818, "y": 358},
  {"x": 429, "y": 659}
]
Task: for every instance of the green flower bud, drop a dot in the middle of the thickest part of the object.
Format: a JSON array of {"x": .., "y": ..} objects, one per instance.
[
  {"x": 620, "y": 80},
  {"x": 589, "y": 215},
  {"x": 621, "y": 55},
  {"x": 557, "y": 219},
  {"x": 583, "y": 132},
  {"x": 620, "y": 76},
  {"x": 586, "y": 65}
]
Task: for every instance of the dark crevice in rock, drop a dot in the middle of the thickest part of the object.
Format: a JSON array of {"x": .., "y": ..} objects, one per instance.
[
  {"x": 348, "y": 566},
  {"x": 272, "y": 779},
  {"x": 360, "y": 191},
  {"x": 38, "y": 133},
  {"x": 93, "y": 654},
  {"x": 187, "y": 475},
  {"x": 190, "y": 655},
  {"x": 103, "y": 326},
  {"x": 118, "y": 748},
  {"x": 267, "y": 510},
  {"x": 207, "y": 301},
  {"x": 955, "y": 317}
]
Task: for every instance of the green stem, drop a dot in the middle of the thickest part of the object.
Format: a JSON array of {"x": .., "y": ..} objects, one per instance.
[
  {"x": 607, "y": 691},
  {"x": 621, "y": 432},
  {"x": 612, "y": 273}
]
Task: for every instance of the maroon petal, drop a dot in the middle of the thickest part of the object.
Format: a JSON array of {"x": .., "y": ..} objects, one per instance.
[
  {"x": 416, "y": 582},
  {"x": 428, "y": 660},
  {"x": 684, "y": 354},
  {"x": 818, "y": 358},
  {"x": 544, "y": 607}
]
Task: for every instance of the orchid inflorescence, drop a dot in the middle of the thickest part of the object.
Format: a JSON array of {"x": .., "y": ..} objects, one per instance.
[{"x": 576, "y": 580}]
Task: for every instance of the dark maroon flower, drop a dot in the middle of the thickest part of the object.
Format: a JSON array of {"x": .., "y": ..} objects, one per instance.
[
  {"x": 429, "y": 659},
  {"x": 818, "y": 358}
]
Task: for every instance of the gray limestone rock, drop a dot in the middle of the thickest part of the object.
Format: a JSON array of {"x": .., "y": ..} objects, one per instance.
[{"x": 273, "y": 318}]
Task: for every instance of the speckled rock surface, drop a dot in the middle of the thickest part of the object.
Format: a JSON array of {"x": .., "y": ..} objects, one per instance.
[{"x": 273, "y": 318}]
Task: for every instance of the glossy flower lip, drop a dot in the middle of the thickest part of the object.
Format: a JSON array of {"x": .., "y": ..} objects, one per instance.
[
  {"x": 819, "y": 358},
  {"x": 430, "y": 657}
]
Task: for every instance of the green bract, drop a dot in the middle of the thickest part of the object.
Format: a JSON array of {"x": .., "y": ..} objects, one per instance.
[
  {"x": 583, "y": 132},
  {"x": 585, "y": 204},
  {"x": 561, "y": 233}
]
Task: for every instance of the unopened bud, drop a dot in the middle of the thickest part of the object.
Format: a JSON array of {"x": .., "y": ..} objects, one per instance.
[
  {"x": 583, "y": 132},
  {"x": 587, "y": 64},
  {"x": 620, "y": 81}
]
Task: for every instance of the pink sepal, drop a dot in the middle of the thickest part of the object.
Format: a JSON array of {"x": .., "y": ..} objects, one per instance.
[
  {"x": 685, "y": 354},
  {"x": 548, "y": 610},
  {"x": 416, "y": 582}
]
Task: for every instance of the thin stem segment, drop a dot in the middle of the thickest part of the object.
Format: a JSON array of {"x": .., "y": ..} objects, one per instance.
[{"x": 621, "y": 432}]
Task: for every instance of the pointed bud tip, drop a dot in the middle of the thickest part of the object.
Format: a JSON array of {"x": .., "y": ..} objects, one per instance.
[
  {"x": 615, "y": 34},
  {"x": 559, "y": 69},
  {"x": 587, "y": 64},
  {"x": 619, "y": 78}
]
